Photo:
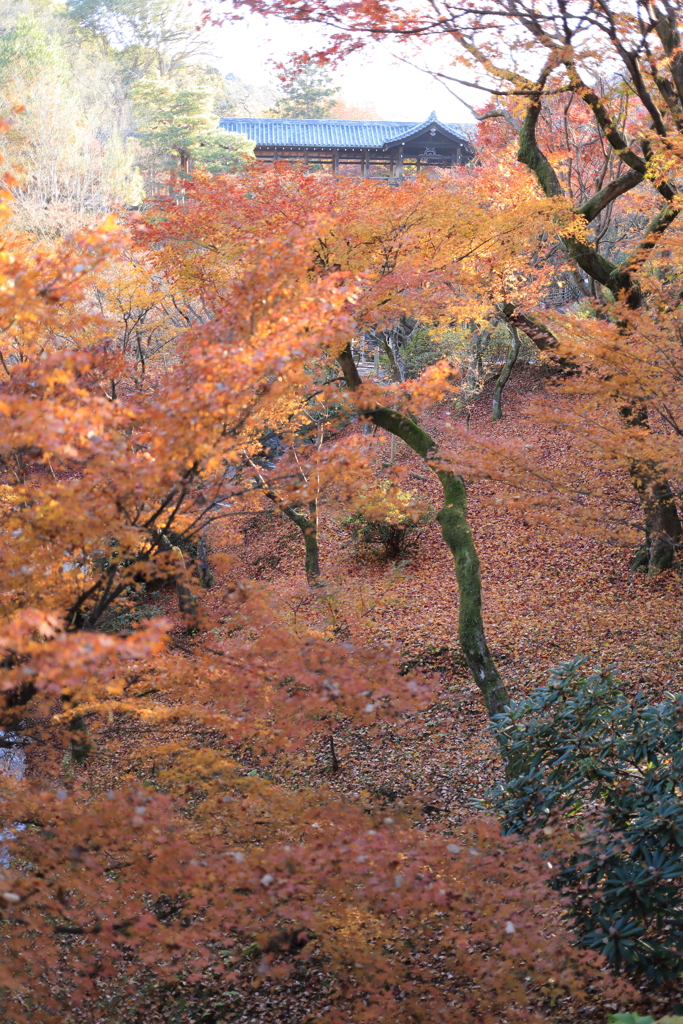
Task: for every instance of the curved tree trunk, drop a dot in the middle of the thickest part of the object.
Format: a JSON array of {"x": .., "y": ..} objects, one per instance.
[
  {"x": 662, "y": 523},
  {"x": 309, "y": 530},
  {"x": 390, "y": 343},
  {"x": 456, "y": 533},
  {"x": 505, "y": 374}
]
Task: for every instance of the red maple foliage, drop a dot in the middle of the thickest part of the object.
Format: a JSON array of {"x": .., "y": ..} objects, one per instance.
[{"x": 188, "y": 865}]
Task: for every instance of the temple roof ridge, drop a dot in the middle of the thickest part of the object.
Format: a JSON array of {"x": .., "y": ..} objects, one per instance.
[
  {"x": 329, "y": 133},
  {"x": 433, "y": 123}
]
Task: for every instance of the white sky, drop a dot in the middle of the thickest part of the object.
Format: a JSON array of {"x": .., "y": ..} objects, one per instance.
[{"x": 398, "y": 92}]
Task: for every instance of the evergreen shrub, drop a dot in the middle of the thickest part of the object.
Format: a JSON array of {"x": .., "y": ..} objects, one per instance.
[
  {"x": 634, "y": 1018},
  {"x": 606, "y": 774}
]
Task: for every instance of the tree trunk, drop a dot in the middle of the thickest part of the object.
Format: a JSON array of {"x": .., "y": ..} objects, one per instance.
[
  {"x": 187, "y": 602},
  {"x": 203, "y": 567},
  {"x": 474, "y": 378},
  {"x": 395, "y": 349},
  {"x": 311, "y": 544},
  {"x": 456, "y": 533},
  {"x": 309, "y": 530},
  {"x": 390, "y": 343},
  {"x": 662, "y": 525},
  {"x": 505, "y": 374},
  {"x": 334, "y": 760},
  {"x": 660, "y": 515},
  {"x": 79, "y": 739},
  {"x": 478, "y": 355}
]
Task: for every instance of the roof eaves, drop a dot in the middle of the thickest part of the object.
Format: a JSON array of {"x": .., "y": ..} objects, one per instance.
[
  {"x": 431, "y": 122},
  {"x": 328, "y": 134}
]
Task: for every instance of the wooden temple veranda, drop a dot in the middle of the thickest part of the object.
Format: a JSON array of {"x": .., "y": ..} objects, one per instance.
[{"x": 369, "y": 149}]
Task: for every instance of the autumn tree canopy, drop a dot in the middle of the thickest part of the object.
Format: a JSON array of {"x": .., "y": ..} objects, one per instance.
[
  {"x": 566, "y": 45},
  {"x": 94, "y": 481},
  {"x": 208, "y": 678}
]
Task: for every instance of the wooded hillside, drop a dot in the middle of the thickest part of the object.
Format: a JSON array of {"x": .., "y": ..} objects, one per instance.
[{"x": 340, "y": 537}]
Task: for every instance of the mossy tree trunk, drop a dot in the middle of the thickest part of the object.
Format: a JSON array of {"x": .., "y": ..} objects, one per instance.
[
  {"x": 505, "y": 373},
  {"x": 308, "y": 524},
  {"x": 456, "y": 533},
  {"x": 309, "y": 528},
  {"x": 662, "y": 525},
  {"x": 79, "y": 739},
  {"x": 662, "y": 522}
]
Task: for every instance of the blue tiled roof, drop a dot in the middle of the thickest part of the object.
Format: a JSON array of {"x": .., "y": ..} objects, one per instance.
[
  {"x": 433, "y": 122},
  {"x": 323, "y": 133}
]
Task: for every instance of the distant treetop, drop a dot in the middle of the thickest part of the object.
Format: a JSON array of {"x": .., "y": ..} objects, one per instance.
[{"x": 307, "y": 92}]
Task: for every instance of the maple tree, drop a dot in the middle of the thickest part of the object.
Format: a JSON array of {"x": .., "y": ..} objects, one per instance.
[
  {"x": 182, "y": 876},
  {"x": 583, "y": 161},
  {"x": 642, "y": 44},
  {"x": 171, "y": 834},
  {"x": 430, "y": 255}
]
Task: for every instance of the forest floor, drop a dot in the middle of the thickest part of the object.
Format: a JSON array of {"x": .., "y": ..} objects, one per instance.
[{"x": 549, "y": 595}]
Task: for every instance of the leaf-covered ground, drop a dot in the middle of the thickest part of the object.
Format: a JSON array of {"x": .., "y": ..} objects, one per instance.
[{"x": 549, "y": 594}]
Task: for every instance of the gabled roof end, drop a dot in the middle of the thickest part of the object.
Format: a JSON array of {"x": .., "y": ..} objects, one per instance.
[{"x": 431, "y": 122}]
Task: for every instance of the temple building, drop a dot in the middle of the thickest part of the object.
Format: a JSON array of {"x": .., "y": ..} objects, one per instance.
[{"x": 370, "y": 149}]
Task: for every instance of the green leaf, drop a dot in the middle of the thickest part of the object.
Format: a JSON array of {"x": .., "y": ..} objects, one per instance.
[{"x": 630, "y": 1018}]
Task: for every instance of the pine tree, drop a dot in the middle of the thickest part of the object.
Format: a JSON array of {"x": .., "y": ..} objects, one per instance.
[
  {"x": 178, "y": 127},
  {"x": 307, "y": 93}
]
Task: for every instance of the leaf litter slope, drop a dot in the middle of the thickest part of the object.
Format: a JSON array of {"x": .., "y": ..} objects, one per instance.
[
  {"x": 549, "y": 593},
  {"x": 552, "y": 590}
]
